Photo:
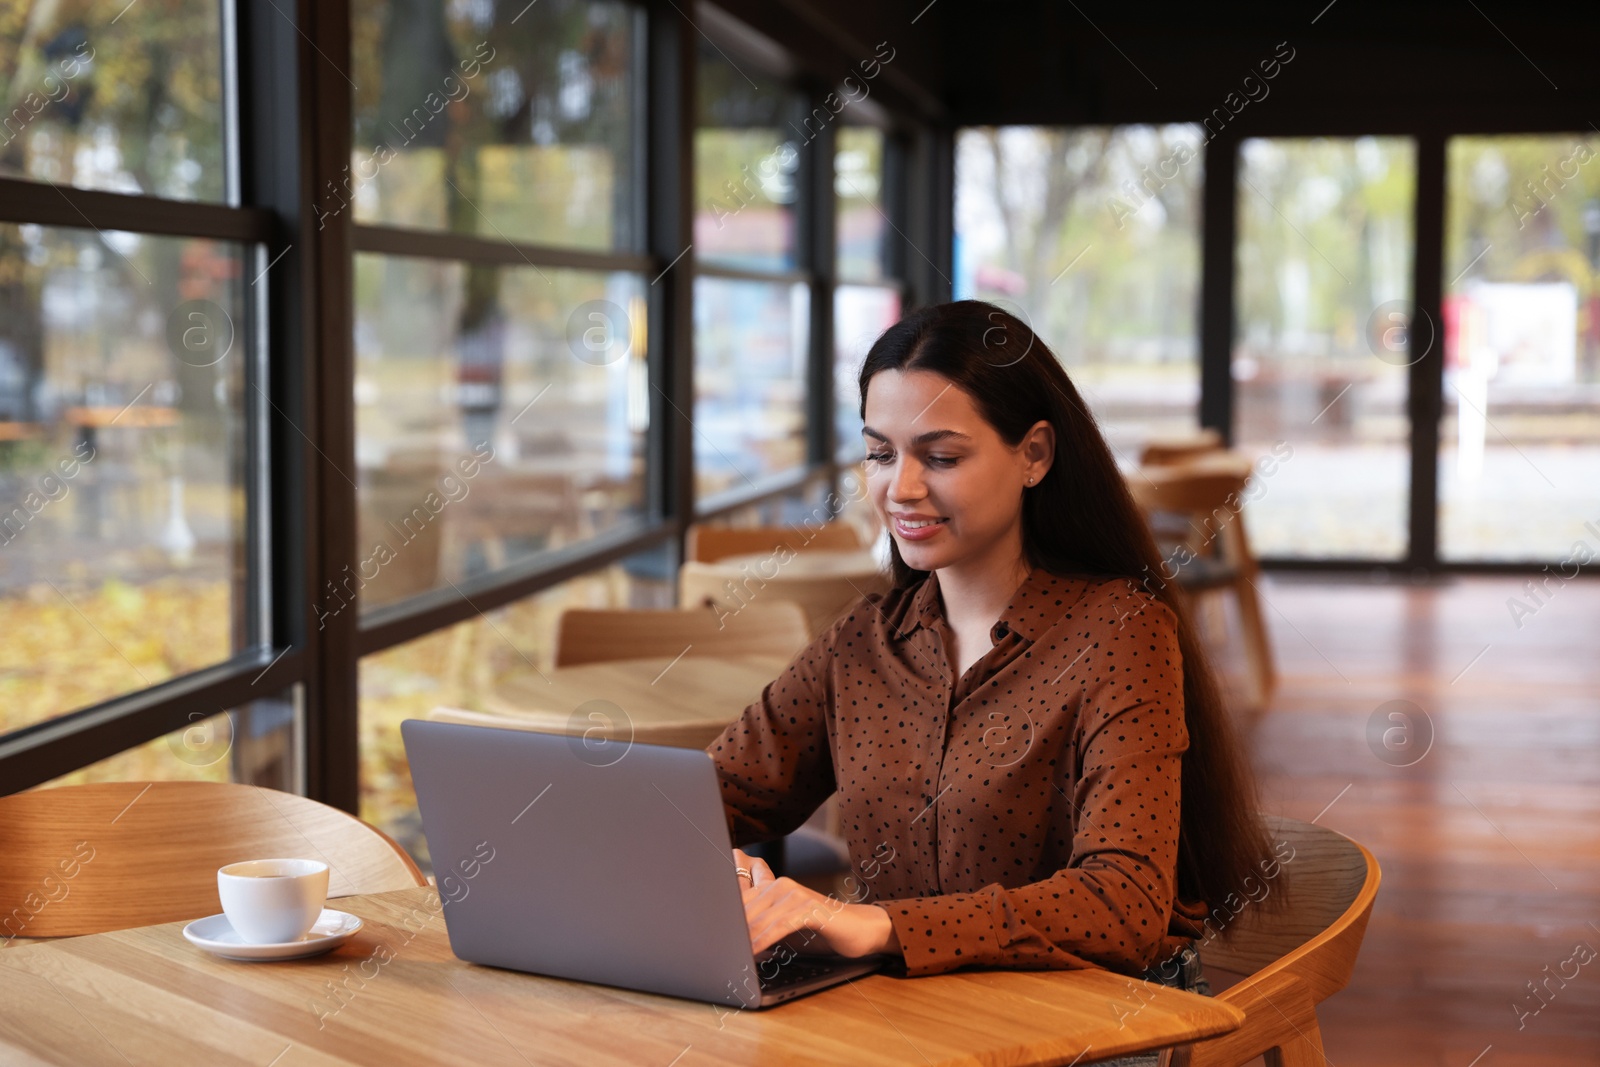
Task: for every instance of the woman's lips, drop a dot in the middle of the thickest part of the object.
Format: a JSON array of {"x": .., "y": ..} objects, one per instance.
[{"x": 918, "y": 533}]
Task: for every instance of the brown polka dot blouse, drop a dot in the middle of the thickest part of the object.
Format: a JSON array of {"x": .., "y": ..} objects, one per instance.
[{"x": 1024, "y": 815}]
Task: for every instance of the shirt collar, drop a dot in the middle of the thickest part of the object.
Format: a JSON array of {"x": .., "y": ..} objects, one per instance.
[{"x": 1034, "y": 607}]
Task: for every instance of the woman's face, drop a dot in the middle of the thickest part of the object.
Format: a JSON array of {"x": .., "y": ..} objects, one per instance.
[{"x": 948, "y": 486}]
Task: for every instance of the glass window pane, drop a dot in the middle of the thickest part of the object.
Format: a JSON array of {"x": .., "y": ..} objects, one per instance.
[
  {"x": 1519, "y": 451},
  {"x": 105, "y": 97},
  {"x": 1319, "y": 358},
  {"x": 746, "y": 167},
  {"x": 122, "y": 463},
  {"x": 860, "y": 314},
  {"x": 256, "y": 743},
  {"x": 749, "y": 382},
  {"x": 499, "y": 412},
  {"x": 461, "y": 667},
  {"x": 808, "y": 504},
  {"x": 506, "y": 121},
  {"x": 1093, "y": 235},
  {"x": 858, "y": 187}
]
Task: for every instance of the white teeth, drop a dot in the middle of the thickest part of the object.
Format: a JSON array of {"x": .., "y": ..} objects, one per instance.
[{"x": 919, "y": 524}]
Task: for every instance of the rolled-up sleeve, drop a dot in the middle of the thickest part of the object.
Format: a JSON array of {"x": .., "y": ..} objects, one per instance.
[
  {"x": 774, "y": 762},
  {"x": 1110, "y": 905}
]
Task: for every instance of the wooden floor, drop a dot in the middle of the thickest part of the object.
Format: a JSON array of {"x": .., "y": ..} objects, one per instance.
[{"x": 1489, "y": 843}]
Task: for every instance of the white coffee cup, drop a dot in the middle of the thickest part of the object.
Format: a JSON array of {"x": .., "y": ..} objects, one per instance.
[{"x": 269, "y": 902}]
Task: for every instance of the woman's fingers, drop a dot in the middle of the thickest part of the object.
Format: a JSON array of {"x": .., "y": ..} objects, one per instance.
[
  {"x": 776, "y": 909},
  {"x": 760, "y": 873}
]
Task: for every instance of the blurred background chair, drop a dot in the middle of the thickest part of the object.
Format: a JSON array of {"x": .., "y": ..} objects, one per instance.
[
  {"x": 709, "y": 542},
  {"x": 589, "y": 635},
  {"x": 1293, "y": 957},
  {"x": 1164, "y": 451},
  {"x": 148, "y": 852},
  {"x": 1207, "y": 544},
  {"x": 825, "y": 570}
]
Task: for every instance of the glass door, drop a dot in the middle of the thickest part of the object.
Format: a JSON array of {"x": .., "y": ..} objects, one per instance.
[
  {"x": 1519, "y": 448},
  {"x": 1323, "y": 266}
]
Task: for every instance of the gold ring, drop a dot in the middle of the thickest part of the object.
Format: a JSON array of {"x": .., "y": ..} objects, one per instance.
[{"x": 746, "y": 872}]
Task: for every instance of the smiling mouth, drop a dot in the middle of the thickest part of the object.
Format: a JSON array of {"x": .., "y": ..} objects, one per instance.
[{"x": 912, "y": 531}]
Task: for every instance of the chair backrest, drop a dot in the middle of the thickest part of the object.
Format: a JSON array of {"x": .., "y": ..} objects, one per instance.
[
  {"x": 1210, "y": 494},
  {"x": 1160, "y": 451},
  {"x": 770, "y": 628},
  {"x": 1186, "y": 489},
  {"x": 709, "y": 542},
  {"x": 821, "y": 599},
  {"x": 1329, "y": 878},
  {"x": 84, "y": 859},
  {"x": 1296, "y": 955}
]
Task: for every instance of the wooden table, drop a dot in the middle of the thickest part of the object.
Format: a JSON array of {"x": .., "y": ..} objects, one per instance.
[
  {"x": 20, "y": 431},
  {"x": 661, "y": 701},
  {"x": 395, "y": 995},
  {"x": 137, "y": 417}
]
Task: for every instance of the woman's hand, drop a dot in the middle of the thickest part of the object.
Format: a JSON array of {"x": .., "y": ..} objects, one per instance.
[{"x": 781, "y": 909}]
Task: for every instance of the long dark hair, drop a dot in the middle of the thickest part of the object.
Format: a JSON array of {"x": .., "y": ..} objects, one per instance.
[{"x": 1080, "y": 519}]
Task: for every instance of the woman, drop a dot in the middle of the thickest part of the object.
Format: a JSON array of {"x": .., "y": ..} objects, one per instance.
[{"x": 1033, "y": 765}]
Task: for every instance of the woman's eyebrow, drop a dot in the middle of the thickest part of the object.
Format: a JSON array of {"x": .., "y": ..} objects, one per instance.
[{"x": 921, "y": 438}]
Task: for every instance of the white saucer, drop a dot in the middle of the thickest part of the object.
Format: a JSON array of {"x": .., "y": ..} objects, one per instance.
[{"x": 218, "y": 937}]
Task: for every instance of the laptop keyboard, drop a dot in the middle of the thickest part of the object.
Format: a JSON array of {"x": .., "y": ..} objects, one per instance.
[{"x": 794, "y": 972}]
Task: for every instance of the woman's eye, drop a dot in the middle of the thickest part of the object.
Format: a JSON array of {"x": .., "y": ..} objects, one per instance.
[
  {"x": 943, "y": 461},
  {"x": 879, "y": 457}
]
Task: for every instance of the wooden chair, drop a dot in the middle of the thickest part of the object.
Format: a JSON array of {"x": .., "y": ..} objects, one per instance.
[
  {"x": 771, "y": 628},
  {"x": 1165, "y": 451},
  {"x": 83, "y": 859},
  {"x": 1208, "y": 496},
  {"x": 821, "y": 599},
  {"x": 709, "y": 542},
  {"x": 1295, "y": 957}
]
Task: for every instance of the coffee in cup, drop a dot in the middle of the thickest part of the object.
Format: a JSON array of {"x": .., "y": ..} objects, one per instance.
[{"x": 273, "y": 901}]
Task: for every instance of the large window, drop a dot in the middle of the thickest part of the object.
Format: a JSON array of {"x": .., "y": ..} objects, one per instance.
[
  {"x": 500, "y": 412},
  {"x": 752, "y": 317},
  {"x": 502, "y": 390},
  {"x": 133, "y": 397},
  {"x": 501, "y": 397},
  {"x": 1320, "y": 347},
  {"x": 1519, "y": 448},
  {"x": 124, "y": 382},
  {"x": 1093, "y": 236}
]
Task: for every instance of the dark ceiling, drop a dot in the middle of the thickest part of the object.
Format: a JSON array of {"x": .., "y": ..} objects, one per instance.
[{"x": 1354, "y": 64}]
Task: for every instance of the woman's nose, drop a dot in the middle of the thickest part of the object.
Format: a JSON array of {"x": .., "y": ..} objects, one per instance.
[{"x": 906, "y": 481}]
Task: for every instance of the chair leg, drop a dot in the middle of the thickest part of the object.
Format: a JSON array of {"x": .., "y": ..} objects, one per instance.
[
  {"x": 1280, "y": 1023},
  {"x": 1257, "y": 645}
]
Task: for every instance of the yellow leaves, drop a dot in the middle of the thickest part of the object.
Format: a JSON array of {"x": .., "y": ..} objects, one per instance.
[{"x": 67, "y": 647}]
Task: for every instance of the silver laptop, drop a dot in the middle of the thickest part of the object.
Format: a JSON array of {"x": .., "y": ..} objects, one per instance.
[{"x": 596, "y": 860}]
